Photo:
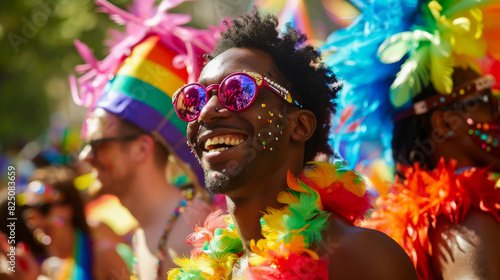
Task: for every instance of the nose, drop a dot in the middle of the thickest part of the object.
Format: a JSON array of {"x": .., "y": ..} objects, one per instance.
[
  {"x": 87, "y": 154},
  {"x": 213, "y": 110}
]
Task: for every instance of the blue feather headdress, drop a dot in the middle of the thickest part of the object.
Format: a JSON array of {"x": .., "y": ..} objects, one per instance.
[
  {"x": 364, "y": 101},
  {"x": 391, "y": 52}
]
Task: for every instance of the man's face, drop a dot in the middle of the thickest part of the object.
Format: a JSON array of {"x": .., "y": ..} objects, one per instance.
[
  {"x": 108, "y": 158},
  {"x": 238, "y": 149}
]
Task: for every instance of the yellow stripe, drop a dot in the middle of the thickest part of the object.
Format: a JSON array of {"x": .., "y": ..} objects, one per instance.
[{"x": 153, "y": 74}]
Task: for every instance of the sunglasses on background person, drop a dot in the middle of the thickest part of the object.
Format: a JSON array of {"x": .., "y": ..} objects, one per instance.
[
  {"x": 236, "y": 92},
  {"x": 93, "y": 145}
]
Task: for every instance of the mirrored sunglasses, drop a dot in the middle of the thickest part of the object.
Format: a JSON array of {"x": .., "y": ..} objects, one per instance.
[{"x": 236, "y": 92}]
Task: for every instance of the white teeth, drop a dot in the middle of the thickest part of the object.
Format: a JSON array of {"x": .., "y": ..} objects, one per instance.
[
  {"x": 221, "y": 140},
  {"x": 218, "y": 150}
]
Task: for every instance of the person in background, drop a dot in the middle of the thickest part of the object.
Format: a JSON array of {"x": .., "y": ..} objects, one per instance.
[
  {"x": 135, "y": 141},
  {"x": 53, "y": 213},
  {"x": 433, "y": 61}
]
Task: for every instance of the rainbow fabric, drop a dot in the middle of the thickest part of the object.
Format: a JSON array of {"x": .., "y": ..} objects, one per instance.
[
  {"x": 79, "y": 266},
  {"x": 141, "y": 93},
  {"x": 412, "y": 207},
  {"x": 289, "y": 233},
  {"x": 147, "y": 63}
]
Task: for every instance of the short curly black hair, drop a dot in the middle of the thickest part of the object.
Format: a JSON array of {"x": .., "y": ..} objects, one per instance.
[{"x": 312, "y": 84}]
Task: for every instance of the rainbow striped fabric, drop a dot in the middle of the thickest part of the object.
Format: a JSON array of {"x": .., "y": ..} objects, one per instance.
[{"x": 141, "y": 93}]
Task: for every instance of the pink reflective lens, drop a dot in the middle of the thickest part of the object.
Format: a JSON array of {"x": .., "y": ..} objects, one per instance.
[
  {"x": 190, "y": 102},
  {"x": 237, "y": 92}
]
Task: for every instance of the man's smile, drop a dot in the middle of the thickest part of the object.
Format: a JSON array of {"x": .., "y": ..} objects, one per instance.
[{"x": 221, "y": 143}]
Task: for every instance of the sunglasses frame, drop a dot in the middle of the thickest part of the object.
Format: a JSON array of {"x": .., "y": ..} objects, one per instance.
[
  {"x": 93, "y": 144},
  {"x": 259, "y": 81}
]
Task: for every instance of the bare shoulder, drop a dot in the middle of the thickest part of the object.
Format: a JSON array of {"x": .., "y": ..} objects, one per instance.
[
  {"x": 192, "y": 216},
  {"x": 108, "y": 263},
  {"x": 469, "y": 250},
  {"x": 360, "y": 253}
]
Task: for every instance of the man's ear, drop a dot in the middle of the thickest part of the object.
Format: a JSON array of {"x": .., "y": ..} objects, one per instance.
[
  {"x": 144, "y": 147},
  {"x": 444, "y": 123},
  {"x": 304, "y": 125}
]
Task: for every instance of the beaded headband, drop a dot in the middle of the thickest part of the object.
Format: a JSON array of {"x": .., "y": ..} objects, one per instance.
[{"x": 437, "y": 101}]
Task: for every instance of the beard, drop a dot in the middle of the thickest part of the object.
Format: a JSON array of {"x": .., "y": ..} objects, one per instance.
[
  {"x": 226, "y": 181},
  {"x": 236, "y": 173}
]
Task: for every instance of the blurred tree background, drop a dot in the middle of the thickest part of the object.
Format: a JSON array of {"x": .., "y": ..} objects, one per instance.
[{"x": 37, "y": 56}]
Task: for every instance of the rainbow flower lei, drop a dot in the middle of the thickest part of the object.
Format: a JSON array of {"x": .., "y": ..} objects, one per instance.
[{"x": 289, "y": 233}]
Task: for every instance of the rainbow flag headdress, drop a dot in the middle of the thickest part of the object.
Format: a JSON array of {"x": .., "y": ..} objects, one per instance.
[
  {"x": 146, "y": 65},
  {"x": 394, "y": 49}
]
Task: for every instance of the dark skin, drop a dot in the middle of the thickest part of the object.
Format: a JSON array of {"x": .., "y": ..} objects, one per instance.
[
  {"x": 460, "y": 146},
  {"x": 251, "y": 177},
  {"x": 471, "y": 249}
]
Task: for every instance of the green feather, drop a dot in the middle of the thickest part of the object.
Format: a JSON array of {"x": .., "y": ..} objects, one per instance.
[
  {"x": 305, "y": 212},
  {"x": 394, "y": 48},
  {"x": 413, "y": 75},
  {"x": 452, "y": 8},
  {"x": 191, "y": 274},
  {"x": 222, "y": 244},
  {"x": 441, "y": 67}
]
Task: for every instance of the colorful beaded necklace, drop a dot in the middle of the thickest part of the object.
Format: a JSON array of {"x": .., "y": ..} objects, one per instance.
[{"x": 160, "y": 254}]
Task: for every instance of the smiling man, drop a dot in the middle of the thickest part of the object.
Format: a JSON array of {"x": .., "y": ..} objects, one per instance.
[{"x": 260, "y": 112}]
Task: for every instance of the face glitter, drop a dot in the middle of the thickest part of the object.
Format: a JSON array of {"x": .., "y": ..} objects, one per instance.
[{"x": 486, "y": 135}]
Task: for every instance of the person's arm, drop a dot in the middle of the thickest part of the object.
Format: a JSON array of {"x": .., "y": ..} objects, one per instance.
[
  {"x": 108, "y": 263},
  {"x": 369, "y": 254},
  {"x": 469, "y": 250}
]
